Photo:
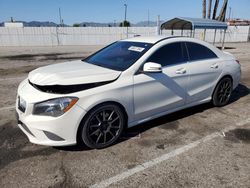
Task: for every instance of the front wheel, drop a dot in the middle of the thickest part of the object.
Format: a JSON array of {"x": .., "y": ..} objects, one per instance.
[
  {"x": 102, "y": 126},
  {"x": 222, "y": 92}
]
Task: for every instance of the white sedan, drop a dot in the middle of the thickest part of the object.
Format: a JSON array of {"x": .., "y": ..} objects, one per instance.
[{"x": 131, "y": 81}]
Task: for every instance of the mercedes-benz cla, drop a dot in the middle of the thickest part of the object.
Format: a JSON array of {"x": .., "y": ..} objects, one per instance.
[{"x": 131, "y": 81}]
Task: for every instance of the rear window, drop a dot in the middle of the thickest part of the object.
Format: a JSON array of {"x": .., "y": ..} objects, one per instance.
[{"x": 199, "y": 52}]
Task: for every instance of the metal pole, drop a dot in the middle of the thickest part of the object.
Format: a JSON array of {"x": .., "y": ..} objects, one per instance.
[
  {"x": 57, "y": 37},
  {"x": 248, "y": 38},
  {"x": 204, "y": 37},
  {"x": 229, "y": 13},
  {"x": 224, "y": 35},
  {"x": 194, "y": 33},
  {"x": 182, "y": 32},
  {"x": 148, "y": 17},
  {"x": 60, "y": 17},
  {"x": 125, "y": 16},
  {"x": 214, "y": 36},
  {"x": 158, "y": 25}
]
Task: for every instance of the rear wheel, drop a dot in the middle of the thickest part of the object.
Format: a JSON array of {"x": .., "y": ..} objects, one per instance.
[
  {"x": 102, "y": 126},
  {"x": 222, "y": 92}
]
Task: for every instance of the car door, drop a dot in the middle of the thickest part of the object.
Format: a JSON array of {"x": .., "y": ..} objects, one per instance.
[
  {"x": 159, "y": 92},
  {"x": 204, "y": 69}
]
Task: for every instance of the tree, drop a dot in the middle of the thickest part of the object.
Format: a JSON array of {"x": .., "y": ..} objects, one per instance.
[
  {"x": 76, "y": 25},
  {"x": 204, "y": 8},
  {"x": 222, "y": 15},
  {"x": 209, "y": 9},
  {"x": 124, "y": 24},
  {"x": 215, "y": 9}
]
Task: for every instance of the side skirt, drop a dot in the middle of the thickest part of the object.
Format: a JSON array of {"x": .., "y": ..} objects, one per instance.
[{"x": 131, "y": 124}]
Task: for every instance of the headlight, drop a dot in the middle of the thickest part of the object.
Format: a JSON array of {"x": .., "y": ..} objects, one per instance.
[{"x": 54, "y": 107}]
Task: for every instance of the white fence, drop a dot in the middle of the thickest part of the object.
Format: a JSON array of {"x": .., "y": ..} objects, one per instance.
[{"x": 52, "y": 36}]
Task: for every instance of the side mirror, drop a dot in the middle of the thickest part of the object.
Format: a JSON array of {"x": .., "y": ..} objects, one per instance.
[{"x": 152, "y": 67}]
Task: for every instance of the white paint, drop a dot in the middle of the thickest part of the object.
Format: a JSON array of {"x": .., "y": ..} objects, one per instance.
[
  {"x": 164, "y": 157},
  {"x": 13, "y": 78},
  {"x": 72, "y": 73},
  {"x": 163, "y": 94},
  {"x": 7, "y": 108}
]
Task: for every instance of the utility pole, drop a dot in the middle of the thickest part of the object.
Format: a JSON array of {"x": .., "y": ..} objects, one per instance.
[
  {"x": 148, "y": 17},
  {"x": 125, "y": 17},
  {"x": 60, "y": 17},
  {"x": 158, "y": 32},
  {"x": 229, "y": 16}
]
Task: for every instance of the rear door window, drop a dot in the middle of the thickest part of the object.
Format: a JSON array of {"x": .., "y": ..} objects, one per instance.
[
  {"x": 170, "y": 54},
  {"x": 199, "y": 52}
]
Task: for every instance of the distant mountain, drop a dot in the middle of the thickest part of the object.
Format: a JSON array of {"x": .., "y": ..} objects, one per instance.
[
  {"x": 83, "y": 24},
  {"x": 96, "y": 24},
  {"x": 39, "y": 24},
  {"x": 145, "y": 24}
]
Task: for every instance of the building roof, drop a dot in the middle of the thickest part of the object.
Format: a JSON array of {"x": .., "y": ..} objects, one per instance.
[{"x": 193, "y": 23}]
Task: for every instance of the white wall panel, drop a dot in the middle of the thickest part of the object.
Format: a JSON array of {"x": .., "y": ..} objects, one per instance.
[{"x": 52, "y": 36}]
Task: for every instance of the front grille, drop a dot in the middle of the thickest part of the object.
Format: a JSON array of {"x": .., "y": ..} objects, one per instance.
[{"x": 21, "y": 104}]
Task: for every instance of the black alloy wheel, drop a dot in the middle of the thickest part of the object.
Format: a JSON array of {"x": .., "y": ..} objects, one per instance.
[
  {"x": 103, "y": 126},
  {"x": 222, "y": 92}
]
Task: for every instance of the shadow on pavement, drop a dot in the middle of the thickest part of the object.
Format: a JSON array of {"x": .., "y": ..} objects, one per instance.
[
  {"x": 167, "y": 120},
  {"x": 13, "y": 143}
]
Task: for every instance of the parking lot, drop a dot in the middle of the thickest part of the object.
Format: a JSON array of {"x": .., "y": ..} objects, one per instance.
[{"x": 201, "y": 146}]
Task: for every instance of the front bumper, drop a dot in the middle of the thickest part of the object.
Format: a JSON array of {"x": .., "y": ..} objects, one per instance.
[{"x": 46, "y": 130}]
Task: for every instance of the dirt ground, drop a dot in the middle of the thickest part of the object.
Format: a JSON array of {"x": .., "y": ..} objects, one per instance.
[{"x": 201, "y": 146}]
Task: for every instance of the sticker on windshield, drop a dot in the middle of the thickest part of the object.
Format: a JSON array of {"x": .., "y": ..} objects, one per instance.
[{"x": 136, "y": 49}]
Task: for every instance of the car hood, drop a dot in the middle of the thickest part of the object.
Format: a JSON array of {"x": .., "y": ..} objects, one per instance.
[{"x": 71, "y": 73}]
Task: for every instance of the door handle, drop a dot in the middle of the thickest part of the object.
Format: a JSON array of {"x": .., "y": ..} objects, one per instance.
[
  {"x": 214, "y": 66},
  {"x": 181, "y": 71}
]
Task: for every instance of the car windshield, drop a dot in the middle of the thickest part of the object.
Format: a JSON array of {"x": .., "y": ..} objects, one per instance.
[{"x": 119, "y": 55}]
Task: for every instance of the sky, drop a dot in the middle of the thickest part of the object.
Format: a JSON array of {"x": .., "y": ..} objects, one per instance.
[{"x": 76, "y": 11}]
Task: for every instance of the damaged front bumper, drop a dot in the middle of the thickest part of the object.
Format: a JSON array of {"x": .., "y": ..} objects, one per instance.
[{"x": 46, "y": 130}]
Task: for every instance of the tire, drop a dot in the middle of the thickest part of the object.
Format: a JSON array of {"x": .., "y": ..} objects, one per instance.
[
  {"x": 222, "y": 92},
  {"x": 102, "y": 126}
]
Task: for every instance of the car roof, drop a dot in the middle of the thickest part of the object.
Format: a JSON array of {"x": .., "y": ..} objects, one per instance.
[
  {"x": 151, "y": 39},
  {"x": 157, "y": 39}
]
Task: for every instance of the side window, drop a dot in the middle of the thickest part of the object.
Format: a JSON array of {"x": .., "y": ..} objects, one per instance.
[
  {"x": 170, "y": 54},
  {"x": 199, "y": 52}
]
